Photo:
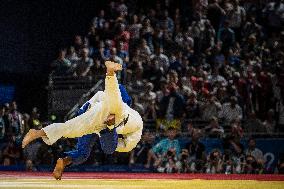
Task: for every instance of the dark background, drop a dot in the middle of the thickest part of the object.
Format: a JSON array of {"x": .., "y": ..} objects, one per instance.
[{"x": 31, "y": 33}]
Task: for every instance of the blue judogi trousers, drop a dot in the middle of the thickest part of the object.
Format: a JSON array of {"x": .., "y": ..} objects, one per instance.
[{"x": 85, "y": 143}]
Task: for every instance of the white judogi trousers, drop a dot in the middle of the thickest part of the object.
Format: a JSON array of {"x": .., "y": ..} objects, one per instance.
[{"x": 102, "y": 103}]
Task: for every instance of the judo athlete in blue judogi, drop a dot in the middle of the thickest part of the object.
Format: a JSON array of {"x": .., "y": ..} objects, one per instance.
[{"x": 106, "y": 114}]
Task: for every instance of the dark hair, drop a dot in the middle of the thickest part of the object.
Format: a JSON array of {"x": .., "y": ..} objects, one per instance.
[
  {"x": 171, "y": 128},
  {"x": 145, "y": 131},
  {"x": 250, "y": 139}
]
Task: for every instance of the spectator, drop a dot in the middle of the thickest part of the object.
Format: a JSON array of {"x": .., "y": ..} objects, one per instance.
[
  {"x": 176, "y": 63},
  {"x": 137, "y": 106},
  {"x": 153, "y": 17},
  {"x": 61, "y": 66},
  {"x": 172, "y": 105},
  {"x": 98, "y": 68},
  {"x": 122, "y": 36},
  {"x": 226, "y": 35},
  {"x": 163, "y": 92},
  {"x": 84, "y": 64},
  {"x": 215, "y": 13},
  {"x": 171, "y": 164},
  {"x": 147, "y": 32},
  {"x": 207, "y": 36},
  {"x": 214, "y": 129},
  {"x": 189, "y": 127},
  {"x": 214, "y": 162},
  {"x": 151, "y": 111},
  {"x": 216, "y": 57},
  {"x": 154, "y": 73},
  {"x": 251, "y": 166},
  {"x": 99, "y": 21},
  {"x": 11, "y": 153},
  {"x": 192, "y": 107},
  {"x": 236, "y": 17},
  {"x": 216, "y": 77},
  {"x": 93, "y": 39},
  {"x": 161, "y": 58},
  {"x": 222, "y": 95},
  {"x": 166, "y": 22},
  {"x": 273, "y": 12},
  {"x": 270, "y": 122},
  {"x": 196, "y": 152},
  {"x": 148, "y": 95},
  {"x": 15, "y": 119},
  {"x": 166, "y": 148},
  {"x": 106, "y": 32},
  {"x": 122, "y": 8},
  {"x": 231, "y": 111},
  {"x": 72, "y": 56},
  {"x": 251, "y": 28},
  {"x": 188, "y": 41},
  {"x": 103, "y": 51},
  {"x": 255, "y": 152},
  {"x": 184, "y": 161},
  {"x": 210, "y": 108},
  {"x": 78, "y": 44},
  {"x": 123, "y": 54},
  {"x": 139, "y": 154},
  {"x": 144, "y": 50},
  {"x": 134, "y": 28},
  {"x": 234, "y": 150}
]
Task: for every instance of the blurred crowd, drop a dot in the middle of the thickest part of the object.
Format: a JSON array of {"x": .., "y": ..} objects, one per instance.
[
  {"x": 216, "y": 61},
  {"x": 197, "y": 60}
]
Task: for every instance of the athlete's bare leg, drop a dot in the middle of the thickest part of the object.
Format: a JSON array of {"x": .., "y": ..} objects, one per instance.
[{"x": 31, "y": 136}]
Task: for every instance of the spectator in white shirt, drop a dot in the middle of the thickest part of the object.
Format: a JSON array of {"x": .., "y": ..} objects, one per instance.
[
  {"x": 231, "y": 111},
  {"x": 255, "y": 152}
]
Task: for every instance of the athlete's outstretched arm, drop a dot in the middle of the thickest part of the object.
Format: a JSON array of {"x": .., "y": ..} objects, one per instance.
[{"x": 112, "y": 93}]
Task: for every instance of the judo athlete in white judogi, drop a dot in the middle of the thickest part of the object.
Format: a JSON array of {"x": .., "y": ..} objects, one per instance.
[{"x": 107, "y": 115}]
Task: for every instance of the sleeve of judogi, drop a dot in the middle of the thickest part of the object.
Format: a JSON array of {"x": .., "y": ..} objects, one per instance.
[
  {"x": 96, "y": 98},
  {"x": 87, "y": 105},
  {"x": 129, "y": 141},
  {"x": 112, "y": 96}
]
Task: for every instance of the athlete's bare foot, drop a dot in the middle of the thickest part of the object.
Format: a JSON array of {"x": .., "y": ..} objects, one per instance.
[
  {"x": 58, "y": 170},
  {"x": 32, "y": 135},
  {"x": 60, "y": 166},
  {"x": 112, "y": 67}
]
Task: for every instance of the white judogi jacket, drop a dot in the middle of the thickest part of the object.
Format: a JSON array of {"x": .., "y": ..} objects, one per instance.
[{"x": 102, "y": 103}]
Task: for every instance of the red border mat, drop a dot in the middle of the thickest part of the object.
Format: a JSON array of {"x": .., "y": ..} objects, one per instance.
[{"x": 92, "y": 175}]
